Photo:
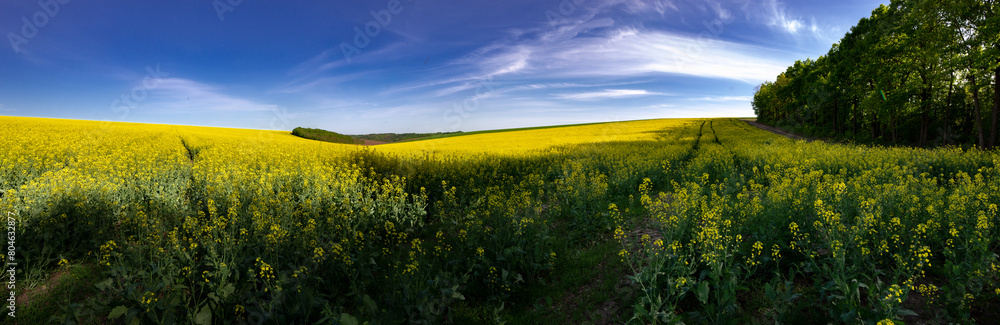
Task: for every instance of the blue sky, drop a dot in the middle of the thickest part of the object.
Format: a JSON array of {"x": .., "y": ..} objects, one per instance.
[{"x": 404, "y": 65}]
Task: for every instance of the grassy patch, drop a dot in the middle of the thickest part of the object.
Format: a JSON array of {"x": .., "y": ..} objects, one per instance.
[
  {"x": 588, "y": 284},
  {"x": 63, "y": 297}
]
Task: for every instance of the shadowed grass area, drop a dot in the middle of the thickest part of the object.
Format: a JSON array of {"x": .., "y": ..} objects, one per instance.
[{"x": 66, "y": 297}]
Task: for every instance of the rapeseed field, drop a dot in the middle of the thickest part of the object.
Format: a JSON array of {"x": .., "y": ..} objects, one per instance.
[{"x": 714, "y": 221}]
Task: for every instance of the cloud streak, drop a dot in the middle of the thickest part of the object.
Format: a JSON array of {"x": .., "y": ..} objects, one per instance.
[
  {"x": 608, "y": 94},
  {"x": 630, "y": 52},
  {"x": 775, "y": 15},
  {"x": 183, "y": 95},
  {"x": 727, "y": 98}
]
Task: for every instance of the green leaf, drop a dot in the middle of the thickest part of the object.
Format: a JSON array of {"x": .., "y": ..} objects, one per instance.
[
  {"x": 370, "y": 304},
  {"x": 347, "y": 319},
  {"x": 104, "y": 284},
  {"x": 906, "y": 312},
  {"x": 703, "y": 291},
  {"x": 117, "y": 312},
  {"x": 204, "y": 316},
  {"x": 849, "y": 316},
  {"x": 228, "y": 290},
  {"x": 640, "y": 309}
]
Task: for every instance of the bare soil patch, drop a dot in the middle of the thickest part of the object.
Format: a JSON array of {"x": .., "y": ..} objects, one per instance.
[
  {"x": 777, "y": 131},
  {"x": 608, "y": 312},
  {"x": 27, "y": 296}
]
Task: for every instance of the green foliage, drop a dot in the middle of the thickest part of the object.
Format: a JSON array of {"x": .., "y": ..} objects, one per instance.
[
  {"x": 324, "y": 135},
  {"x": 915, "y": 72}
]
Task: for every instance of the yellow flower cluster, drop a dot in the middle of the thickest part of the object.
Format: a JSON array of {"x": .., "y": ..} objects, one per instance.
[
  {"x": 107, "y": 251},
  {"x": 755, "y": 252},
  {"x": 679, "y": 283},
  {"x": 149, "y": 300},
  {"x": 894, "y": 294},
  {"x": 266, "y": 272}
]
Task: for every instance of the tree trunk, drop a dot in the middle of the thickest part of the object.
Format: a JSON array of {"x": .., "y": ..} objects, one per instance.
[
  {"x": 996, "y": 107},
  {"x": 894, "y": 127},
  {"x": 925, "y": 122},
  {"x": 947, "y": 112},
  {"x": 875, "y": 131},
  {"x": 925, "y": 95},
  {"x": 835, "y": 117},
  {"x": 857, "y": 117},
  {"x": 977, "y": 110}
]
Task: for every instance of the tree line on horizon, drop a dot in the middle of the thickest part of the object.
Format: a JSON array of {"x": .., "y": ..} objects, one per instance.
[
  {"x": 920, "y": 72},
  {"x": 324, "y": 135}
]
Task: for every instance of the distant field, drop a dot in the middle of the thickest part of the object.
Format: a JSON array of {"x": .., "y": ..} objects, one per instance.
[
  {"x": 668, "y": 220},
  {"x": 536, "y": 139},
  {"x": 399, "y": 137}
]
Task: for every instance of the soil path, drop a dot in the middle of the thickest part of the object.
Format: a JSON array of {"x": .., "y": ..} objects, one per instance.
[
  {"x": 372, "y": 142},
  {"x": 777, "y": 131}
]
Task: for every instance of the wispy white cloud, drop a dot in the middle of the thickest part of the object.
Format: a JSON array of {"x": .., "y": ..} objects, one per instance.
[
  {"x": 4, "y": 109},
  {"x": 542, "y": 86},
  {"x": 775, "y": 14},
  {"x": 317, "y": 69},
  {"x": 607, "y": 94},
  {"x": 454, "y": 89},
  {"x": 586, "y": 50},
  {"x": 777, "y": 17},
  {"x": 313, "y": 81},
  {"x": 500, "y": 61},
  {"x": 604, "y": 53},
  {"x": 726, "y": 98},
  {"x": 641, "y": 6},
  {"x": 571, "y": 30},
  {"x": 184, "y": 95},
  {"x": 317, "y": 62},
  {"x": 630, "y": 52}
]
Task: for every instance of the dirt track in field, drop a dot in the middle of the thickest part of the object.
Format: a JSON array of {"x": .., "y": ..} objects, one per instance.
[{"x": 777, "y": 131}]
